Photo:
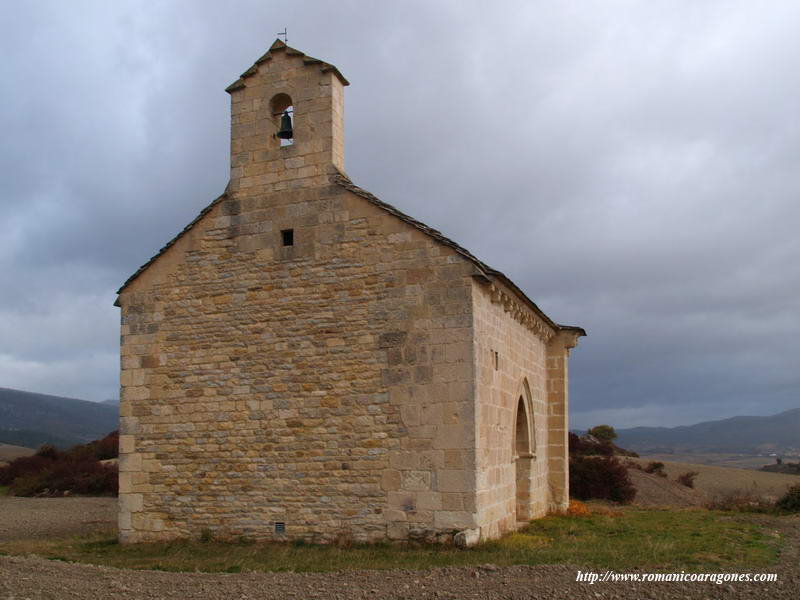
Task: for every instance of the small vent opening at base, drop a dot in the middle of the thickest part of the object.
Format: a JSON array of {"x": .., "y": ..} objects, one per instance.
[{"x": 280, "y": 527}]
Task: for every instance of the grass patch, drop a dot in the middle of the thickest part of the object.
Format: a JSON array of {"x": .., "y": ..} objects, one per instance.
[
  {"x": 675, "y": 539},
  {"x": 666, "y": 539},
  {"x": 3, "y": 490}
]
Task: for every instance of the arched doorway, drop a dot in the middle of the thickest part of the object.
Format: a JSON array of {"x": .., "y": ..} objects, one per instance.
[{"x": 523, "y": 462}]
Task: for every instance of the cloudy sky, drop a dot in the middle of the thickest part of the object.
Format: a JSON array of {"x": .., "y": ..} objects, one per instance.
[{"x": 632, "y": 165}]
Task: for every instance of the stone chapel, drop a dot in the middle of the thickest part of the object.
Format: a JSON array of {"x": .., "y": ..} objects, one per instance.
[{"x": 306, "y": 361}]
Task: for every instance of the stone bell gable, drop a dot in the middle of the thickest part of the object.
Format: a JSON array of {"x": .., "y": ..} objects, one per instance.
[
  {"x": 286, "y": 78},
  {"x": 304, "y": 360}
]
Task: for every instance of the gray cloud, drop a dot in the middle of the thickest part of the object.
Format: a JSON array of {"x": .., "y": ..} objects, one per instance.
[{"x": 632, "y": 166}]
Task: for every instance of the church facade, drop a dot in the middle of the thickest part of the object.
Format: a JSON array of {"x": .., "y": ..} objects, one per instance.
[{"x": 306, "y": 361}]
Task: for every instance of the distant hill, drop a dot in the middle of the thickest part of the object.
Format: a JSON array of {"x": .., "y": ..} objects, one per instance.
[
  {"x": 30, "y": 438},
  {"x": 779, "y": 434},
  {"x": 30, "y": 419}
]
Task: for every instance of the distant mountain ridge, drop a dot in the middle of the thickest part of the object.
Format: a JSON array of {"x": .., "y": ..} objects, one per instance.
[
  {"x": 30, "y": 419},
  {"x": 779, "y": 434}
]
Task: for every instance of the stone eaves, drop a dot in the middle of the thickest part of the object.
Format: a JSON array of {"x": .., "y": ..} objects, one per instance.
[{"x": 279, "y": 46}]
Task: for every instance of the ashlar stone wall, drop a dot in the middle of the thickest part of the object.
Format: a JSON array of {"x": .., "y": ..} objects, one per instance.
[
  {"x": 325, "y": 385},
  {"x": 511, "y": 368}
]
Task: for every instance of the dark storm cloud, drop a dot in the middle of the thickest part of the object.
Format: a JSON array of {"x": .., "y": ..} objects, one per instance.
[{"x": 631, "y": 165}]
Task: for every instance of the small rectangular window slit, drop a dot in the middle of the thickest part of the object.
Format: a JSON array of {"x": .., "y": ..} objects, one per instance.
[
  {"x": 280, "y": 527},
  {"x": 287, "y": 236}
]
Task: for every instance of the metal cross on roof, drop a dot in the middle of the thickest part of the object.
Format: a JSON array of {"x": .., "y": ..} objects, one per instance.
[{"x": 285, "y": 35}]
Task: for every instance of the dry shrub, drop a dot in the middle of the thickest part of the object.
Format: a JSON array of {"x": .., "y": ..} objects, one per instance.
[
  {"x": 687, "y": 478},
  {"x": 578, "y": 509},
  {"x": 600, "y": 477},
  {"x": 48, "y": 451},
  {"x": 85, "y": 477},
  {"x": 604, "y": 433},
  {"x": 790, "y": 501},
  {"x": 23, "y": 466},
  {"x": 655, "y": 468},
  {"x": 588, "y": 446},
  {"x": 749, "y": 501},
  {"x": 55, "y": 472},
  {"x": 623, "y": 452},
  {"x": 344, "y": 540},
  {"x": 103, "y": 449},
  {"x": 741, "y": 501},
  {"x": 106, "y": 448}
]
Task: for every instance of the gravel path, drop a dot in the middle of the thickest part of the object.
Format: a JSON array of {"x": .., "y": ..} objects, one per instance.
[
  {"x": 39, "y": 579},
  {"x": 34, "y": 578}
]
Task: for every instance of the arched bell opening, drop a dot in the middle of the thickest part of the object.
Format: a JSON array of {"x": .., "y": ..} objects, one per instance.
[
  {"x": 282, "y": 112},
  {"x": 523, "y": 461}
]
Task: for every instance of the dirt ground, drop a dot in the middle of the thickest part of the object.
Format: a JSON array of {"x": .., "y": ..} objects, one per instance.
[
  {"x": 653, "y": 491},
  {"x": 37, "y": 579},
  {"x": 719, "y": 481},
  {"x": 733, "y": 461},
  {"x": 41, "y": 518},
  {"x": 9, "y": 453}
]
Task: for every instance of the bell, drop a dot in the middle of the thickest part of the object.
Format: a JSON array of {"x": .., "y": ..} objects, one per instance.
[{"x": 286, "y": 132}]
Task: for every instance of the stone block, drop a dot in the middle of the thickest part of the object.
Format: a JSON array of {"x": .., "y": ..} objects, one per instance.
[
  {"x": 431, "y": 460},
  {"x": 454, "y": 459},
  {"x": 405, "y": 501},
  {"x": 130, "y": 462},
  {"x": 125, "y": 483},
  {"x": 429, "y": 501},
  {"x": 124, "y": 521},
  {"x": 397, "y": 531},
  {"x": 404, "y": 460},
  {"x": 394, "y": 515},
  {"x": 391, "y": 480},
  {"x": 130, "y": 503},
  {"x": 444, "y": 519},
  {"x": 451, "y": 501},
  {"x": 416, "y": 480},
  {"x": 454, "y": 481},
  {"x": 410, "y": 414},
  {"x": 127, "y": 443},
  {"x": 450, "y": 437},
  {"x": 136, "y": 393}
]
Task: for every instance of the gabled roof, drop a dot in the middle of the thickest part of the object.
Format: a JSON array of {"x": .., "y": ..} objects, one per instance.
[
  {"x": 280, "y": 46},
  {"x": 170, "y": 243},
  {"x": 483, "y": 271}
]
